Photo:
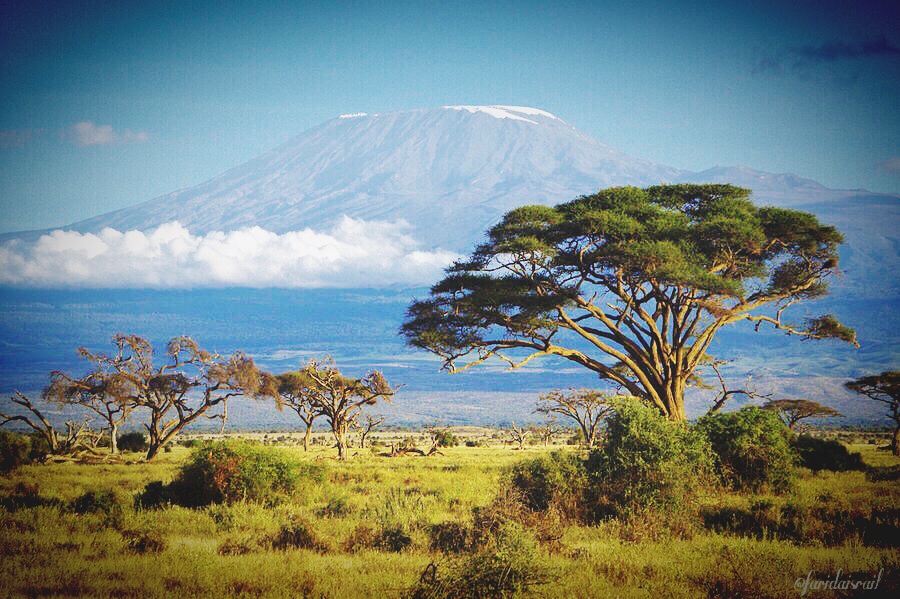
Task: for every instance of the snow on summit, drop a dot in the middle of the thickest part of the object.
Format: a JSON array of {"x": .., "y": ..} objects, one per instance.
[{"x": 505, "y": 112}]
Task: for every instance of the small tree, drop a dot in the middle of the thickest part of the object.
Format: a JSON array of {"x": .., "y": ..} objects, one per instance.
[
  {"x": 548, "y": 431},
  {"x": 587, "y": 407},
  {"x": 884, "y": 388},
  {"x": 792, "y": 411},
  {"x": 519, "y": 434},
  {"x": 74, "y": 438},
  {"x": 365, "y": 427},
  {"x": 340, "y": 399},
  {"x": 104, "y": 391},
  {"x": 185, "y": 388},
  {"x": 296, "y": 391}
]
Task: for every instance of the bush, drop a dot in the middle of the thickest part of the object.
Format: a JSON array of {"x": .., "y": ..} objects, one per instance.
[
  {"x": 362, "y": 537},
  {"x": 444, "y": 438},
  {"x": 145, "y": 541},
  {"x": 754, "y": 449},
  {"x": 509, "y": 566},
  {"x": 135, "y": 441},
  {"x": 298, "y": 535},
  {"x": 647, "y": 464},
  {"x": 15, "y": 451},
  {"x": 556, "y": 479},
  {"x": 450, "y": 537},
  {"x": 393, "y": 538},
  {"x": 821, "y": 454},
  {"x": 230, "y": 471}
]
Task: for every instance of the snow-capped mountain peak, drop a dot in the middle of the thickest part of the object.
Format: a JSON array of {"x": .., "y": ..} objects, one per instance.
[{"x": 506, "y": 112}]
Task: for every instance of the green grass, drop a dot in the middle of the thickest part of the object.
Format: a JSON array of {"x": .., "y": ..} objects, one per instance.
[{"x": 48, "y": 550}]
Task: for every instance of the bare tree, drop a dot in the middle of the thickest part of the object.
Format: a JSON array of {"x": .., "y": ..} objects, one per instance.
[
  {"x": 104, "y": 391},
  {"x": 587, "y": 407},
  {"x": 725, "y": 393},
  {"x": 792, "y": 411},
  {"x": 519, "y": 434},
  {"x": 58, "y": 444},
  {"x": 186, "y": 387},
  {"x": 367, "y": 426},
  {"x": 340, "y": 399}
]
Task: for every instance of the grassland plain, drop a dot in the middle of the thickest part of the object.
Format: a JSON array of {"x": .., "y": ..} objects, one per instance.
[{"x": 70, "y": 529}]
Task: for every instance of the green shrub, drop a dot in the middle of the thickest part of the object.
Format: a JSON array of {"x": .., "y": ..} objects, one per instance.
[
  {"x": 135, "y": 441},
  {"x": 509, "y": 566},
  {"x": 230, "y": 471},
  {"x": 753, "y": 447},
  {"x": 445, "y": 438},
  {"x": 647, "y": 464},
  {"x": 556, "y": 479},
  {"x": 105, "y": 502},
  {"x": 821, "y": 454},
  {"x": 15, "y": 451}
]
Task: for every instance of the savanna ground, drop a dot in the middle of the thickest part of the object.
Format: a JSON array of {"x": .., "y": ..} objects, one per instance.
[{"x": 373, "y": 526}]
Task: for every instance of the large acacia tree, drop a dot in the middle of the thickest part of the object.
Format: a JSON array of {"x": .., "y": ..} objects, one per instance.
[{"x": 630, "y": 283}]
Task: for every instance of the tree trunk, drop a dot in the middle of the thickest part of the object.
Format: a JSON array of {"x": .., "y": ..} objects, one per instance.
[
  {"x": 588, "y": 436},
  {"x": 113, "y": 440},
  {"x": 306, "y": 436},
  {"x": 895, "y": 441},
  {"x": 151, "y": 453}
]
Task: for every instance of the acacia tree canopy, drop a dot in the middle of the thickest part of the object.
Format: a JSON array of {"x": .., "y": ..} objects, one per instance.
[
  {"x": 792, "y": 411},
  {"x": 630, "y": 283},
  {"x": 884, "y": 388}
]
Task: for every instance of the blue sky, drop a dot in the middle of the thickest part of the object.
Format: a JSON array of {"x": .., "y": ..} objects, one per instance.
[{"x": 106, "y": 104}]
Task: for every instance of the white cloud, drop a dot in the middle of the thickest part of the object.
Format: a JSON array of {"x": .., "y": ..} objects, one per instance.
[
  {"x": 355, "y": 253},
  {"x": 87, "y": 133}
]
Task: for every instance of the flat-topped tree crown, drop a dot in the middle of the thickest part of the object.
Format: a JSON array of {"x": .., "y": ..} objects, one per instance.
[{"x": 645, "y": 276}]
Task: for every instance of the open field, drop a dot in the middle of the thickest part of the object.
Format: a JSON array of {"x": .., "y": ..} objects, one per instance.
[{"x": 370, "y": 526}]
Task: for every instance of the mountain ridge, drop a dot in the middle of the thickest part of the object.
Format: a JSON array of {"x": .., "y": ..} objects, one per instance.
[{"x": 468, "y": 164}]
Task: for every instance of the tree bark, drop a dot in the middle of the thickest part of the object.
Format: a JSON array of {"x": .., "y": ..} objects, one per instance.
[
  {"x": 113, "y": 438},
  {"x": 306, "y": 436}
]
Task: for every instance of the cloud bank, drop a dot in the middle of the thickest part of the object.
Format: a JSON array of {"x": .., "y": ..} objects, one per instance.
[{"x": 355, "y": 253}]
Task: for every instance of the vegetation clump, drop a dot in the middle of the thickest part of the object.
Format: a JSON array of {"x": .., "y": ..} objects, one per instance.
[
  {"x": 231, "y": 471},
  {"x": 754, "y": 449},
  {"x": 647, "y": 464},
  {"x": 509, "y": 565},
  {"x": 825, "y": 454},
  {"x": 135, "y": 441},
  {"x": 15, "y": 451}
]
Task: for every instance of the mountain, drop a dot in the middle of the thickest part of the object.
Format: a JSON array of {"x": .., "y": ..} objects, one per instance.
[{"x": 466, "y": 165}]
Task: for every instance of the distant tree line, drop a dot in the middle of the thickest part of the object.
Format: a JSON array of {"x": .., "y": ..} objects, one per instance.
[{"x": 188, "y": 384}]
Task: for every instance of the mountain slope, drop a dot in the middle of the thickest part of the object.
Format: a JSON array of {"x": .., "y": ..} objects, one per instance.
[{"x": 461, "y": 164}]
